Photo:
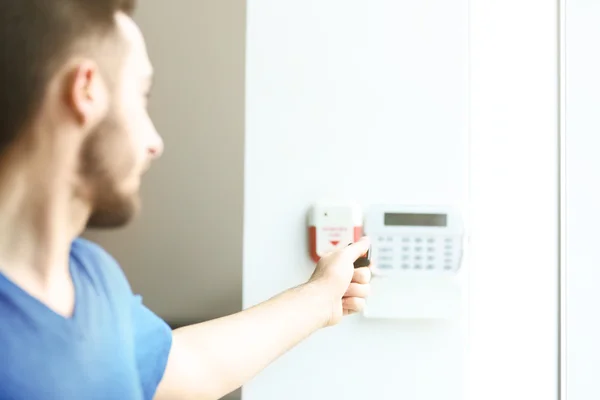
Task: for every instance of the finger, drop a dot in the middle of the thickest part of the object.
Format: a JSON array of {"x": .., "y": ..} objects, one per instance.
[
  {"x": 353, "y": 304},
  {"x": 358, "y": 249},
  {"x": 362, "y": 275},
  {"x": 358, "y": 290}
]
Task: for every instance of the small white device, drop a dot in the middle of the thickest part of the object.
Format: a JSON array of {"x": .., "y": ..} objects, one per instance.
[
  {"x": 332, "y": 226},
  {"x": 415, "y": 239}
]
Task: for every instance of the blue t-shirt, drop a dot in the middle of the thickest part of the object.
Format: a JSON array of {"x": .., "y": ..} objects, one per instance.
[{"x": 113, "y": 347}]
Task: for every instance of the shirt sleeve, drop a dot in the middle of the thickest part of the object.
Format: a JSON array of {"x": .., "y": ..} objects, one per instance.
[{"x": 153, "y": 339}]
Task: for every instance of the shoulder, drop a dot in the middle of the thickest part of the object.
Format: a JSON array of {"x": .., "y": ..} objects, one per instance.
[{"x": 94, "y": 261}]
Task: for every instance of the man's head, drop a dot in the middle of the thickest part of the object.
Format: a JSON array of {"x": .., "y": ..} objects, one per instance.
[{"x": 74, "y": 81}]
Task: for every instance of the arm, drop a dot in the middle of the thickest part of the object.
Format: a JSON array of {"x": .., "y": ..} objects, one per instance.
[{"x": 212, "y": 359}]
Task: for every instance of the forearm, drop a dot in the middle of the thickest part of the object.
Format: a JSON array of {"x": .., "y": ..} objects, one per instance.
[{"x": 221, "y": 355}]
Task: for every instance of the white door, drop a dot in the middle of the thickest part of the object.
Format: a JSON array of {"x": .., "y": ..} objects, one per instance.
[
  {"x": 581, "y": 189},
  {"x": 513, "y": 302}
]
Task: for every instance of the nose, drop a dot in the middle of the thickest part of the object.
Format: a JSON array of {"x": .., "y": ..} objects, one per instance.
[{"x": 156, "y": 146}]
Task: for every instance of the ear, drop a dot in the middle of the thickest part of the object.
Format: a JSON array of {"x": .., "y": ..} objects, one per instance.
[{"x": 87, "y": 94}]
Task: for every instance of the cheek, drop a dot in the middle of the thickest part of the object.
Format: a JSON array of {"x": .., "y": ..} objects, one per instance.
[
  {"x": 136, "y": 138},
  {"x": 107, "y": 156},
  {"x": 141, "y": 130},
  {"x": 115, "y": 154},
  {"x": 136, "y": 127}
]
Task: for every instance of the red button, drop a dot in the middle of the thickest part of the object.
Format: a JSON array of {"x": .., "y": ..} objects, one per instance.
[{"x": 335, "y": 242}]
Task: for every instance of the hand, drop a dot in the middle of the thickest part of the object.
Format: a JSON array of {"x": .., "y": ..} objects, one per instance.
[{"x": 345, "y": 286}]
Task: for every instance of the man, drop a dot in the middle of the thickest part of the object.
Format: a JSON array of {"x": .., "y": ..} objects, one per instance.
[{"x": 75, "y": 138}]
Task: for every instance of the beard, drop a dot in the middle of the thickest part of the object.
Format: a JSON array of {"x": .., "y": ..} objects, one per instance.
[
  {"x": 113, "y": 210},
  {"x": 106, "y": 162}
]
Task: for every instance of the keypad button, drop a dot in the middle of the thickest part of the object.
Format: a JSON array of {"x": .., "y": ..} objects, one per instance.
[
  {"x": 385, "y": 258},
  {"x": 381, "y": 239},
  {"x": 389, "y": 239},
  {"x": 406, "y": 249},
  {"x": 418, "y": 240},
  {"x": 447, "y": 267},
  {"x": 405, "y": 240},
  {"x": 385, "y": 266},
  {"x": 405, "y": 266},
  {"x": 418, "y": 248},
  {"x": 405, "y": 257},
  {"x": 430, "y": 258},
  {"x": 431, "y": 249},
  {"x": 386, "y": 249},
  {"x": 418, "y": 258},
  {"x": 418, "y": 266},
  {"x": 430, "y": 266}
]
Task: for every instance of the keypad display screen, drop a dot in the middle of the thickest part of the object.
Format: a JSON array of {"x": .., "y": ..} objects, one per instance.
[{"x": 404, "y": 219}]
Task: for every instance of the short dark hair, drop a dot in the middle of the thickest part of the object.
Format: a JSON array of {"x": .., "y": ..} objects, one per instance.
[{"x": 36, "y": 38}]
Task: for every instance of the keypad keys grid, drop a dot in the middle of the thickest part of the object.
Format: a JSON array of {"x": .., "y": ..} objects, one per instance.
[{"x": 416, "y": 253}]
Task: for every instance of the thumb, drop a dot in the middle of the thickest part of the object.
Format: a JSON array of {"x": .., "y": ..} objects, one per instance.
[{"x": 358, "y": 249}]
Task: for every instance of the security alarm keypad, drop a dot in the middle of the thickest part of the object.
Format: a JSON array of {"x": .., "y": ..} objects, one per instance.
[{"x": 415, "y": 238}]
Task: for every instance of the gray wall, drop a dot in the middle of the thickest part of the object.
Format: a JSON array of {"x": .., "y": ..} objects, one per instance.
[{"x": 184, "y": 252}]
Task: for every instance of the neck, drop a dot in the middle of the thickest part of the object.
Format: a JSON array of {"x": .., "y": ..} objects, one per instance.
[{"x": 39, "y": 218}]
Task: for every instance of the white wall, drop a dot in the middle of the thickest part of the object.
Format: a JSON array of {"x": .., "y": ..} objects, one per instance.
[
  {"x": 364, "y": 101},
  {"x": 582, "y": 168}
]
